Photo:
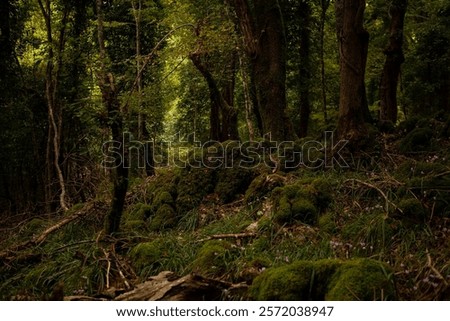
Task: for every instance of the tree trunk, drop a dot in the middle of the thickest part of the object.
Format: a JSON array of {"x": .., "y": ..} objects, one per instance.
[
  {"x": 263, "y": 32},
  {"x": 229, "y": 113},
  {"x": 54, "y": 111},
  {"x": 304, "y": 14},
  {"x": 111, "y": 101},
  {"x": 247, "y": 99},
  {"x": 353, "y": 44},
  {"x": 323, "y": 14},
  {"x": 392, "y": 65},
  {"x": 227, "y": 129},
  {"x": 5, "y": 41}
]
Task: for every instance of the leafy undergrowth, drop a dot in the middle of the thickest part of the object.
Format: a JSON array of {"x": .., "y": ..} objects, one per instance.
[{"x": 388, "y": 216}]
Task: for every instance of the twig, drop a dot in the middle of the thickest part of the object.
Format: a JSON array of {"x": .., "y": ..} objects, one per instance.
[
  {"x": 108, "y": 269},
  {"x": 379, "y": 191},
  {"x": 431, "y": 266},
  {"x": 225, "y": 236},
  {"x": 39, "y": 239}
]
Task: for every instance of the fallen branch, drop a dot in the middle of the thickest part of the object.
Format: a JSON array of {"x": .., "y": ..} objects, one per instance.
[
  {"x": 10, "y": 253},
  {"x": 166, "y": 286},
  {"x": 227, "y": 236},
  {"x": 388, "y": 201},
  {"x": 433, "y": 268}
]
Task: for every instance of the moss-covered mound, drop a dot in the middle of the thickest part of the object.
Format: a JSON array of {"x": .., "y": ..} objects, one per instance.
[
  {"x": 213, "y": 258},
  {"x": 429, "y": 184},
  {"x": 335, "y": 280},
  {"x": 301, "y": 202},
  {"x": 418, "y": 139},
  {"x": 146, "y": 254},
  {"x": 263, "y": 185}
]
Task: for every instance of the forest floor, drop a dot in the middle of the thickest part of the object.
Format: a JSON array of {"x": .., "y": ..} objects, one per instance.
[{"x": 262, "y": 229}]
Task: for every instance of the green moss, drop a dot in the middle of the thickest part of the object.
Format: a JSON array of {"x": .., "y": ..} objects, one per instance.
[
  {"x": 263, "y": 185},
  {"x": 417, "y": 140},
  {"x": 163, "y": 197},
  {"x": 232, "y": 182},
  {"x": 408, "y": 125},
  {"x": 301, "y": 280},
  {"x": 213, "y": 258},
  {"x": 361, "y": 279},
  {"x": 194, "y": 185},
  {"x": 327, "y": 223},
  {"x": 146, "y": 254},
  {"x": 412, "y": 208},
  {"x": 165, "y": 218},
  {"x": 302, "y": 201}
]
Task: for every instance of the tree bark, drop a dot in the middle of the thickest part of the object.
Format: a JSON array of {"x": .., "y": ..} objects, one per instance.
[
  {"x": 323, "y": 14},
  {"x": 263, "y": 31},
  {"x": 304, "y": 14},
  {"x": 392, "y": 65},
  {"x": 353, "y": 44},
  {"x": 111, "y": 101},
  {"x": 5, "y": 38},
  {"x": 227, "y": 129},
  {"x": 54, "y": 111}
]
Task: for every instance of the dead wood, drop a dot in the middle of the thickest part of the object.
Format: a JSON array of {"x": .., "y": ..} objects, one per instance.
[
  {"x": 12, "y": 252},
  {"x": 166, "y": 286}
]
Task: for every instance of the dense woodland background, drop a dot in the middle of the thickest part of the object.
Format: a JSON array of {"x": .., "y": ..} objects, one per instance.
[{"x": 77, "y": 74}]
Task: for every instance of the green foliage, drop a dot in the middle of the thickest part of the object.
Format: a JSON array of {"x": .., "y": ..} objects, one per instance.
[
  {"x": 232, "y": 182},
  {"x": 213, "y": 258},
  {"x": 146, "y": 255},
  {"x": 412, "y": 208},
  {"x": 301, "y": 202},
  {"x": 262, "y": 185},
  {"x": 194, "y": 185},
  {"x": 164, "y": 218},
  {"x": 418, "y": 139},
  {"x": 334, "y": 280}
]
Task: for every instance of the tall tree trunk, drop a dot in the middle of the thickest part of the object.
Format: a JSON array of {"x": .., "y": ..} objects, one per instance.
[
  {"x": 247, "y": 99},
  {"x": 110, "y": 100},
  {"x": 263, "y": 32},
  {"x": 392, "y": 65},
  {"x": 304, "y": 14},
  {"x": 323, "y": 15},
  {"x": 229, "y": 113},
  {"x": 5, "y": 44},
  {"x": 51, "y": 87},
  {"x": 353, "y": 44},
  {"x": 227, "y": 129}
]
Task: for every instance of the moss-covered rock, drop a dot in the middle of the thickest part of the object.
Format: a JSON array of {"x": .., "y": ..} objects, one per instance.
[
  {"x": 302, "y": 201},
  {"x": 146, "y": 254},
  {"x": 327, "y": 223},
  {"x": 165, "y": 218},
  {"x": 212, "y": 258},
  {"x": 194, "y": 185},
  {"x": 301, "y": 280},
  {"x": 263, "y": 185},
  {"x": 232, "y": 182},
  {"x": 417, "y": 140},
  {"x": 412, "y": 208},
  {"x": 429, "y": 182},
  {"x": 361, "y": 279}
]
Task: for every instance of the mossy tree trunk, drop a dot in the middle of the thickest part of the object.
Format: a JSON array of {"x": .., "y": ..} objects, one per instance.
[
  {"x": 111, "y": 101},
  {"x": 392, "y": 65},
  {"x": 353, "y": 48},
  {"x": 304, "y": 14},
  {"x": 262, "y": 28},
  {"x": 223, "y": 116}
]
